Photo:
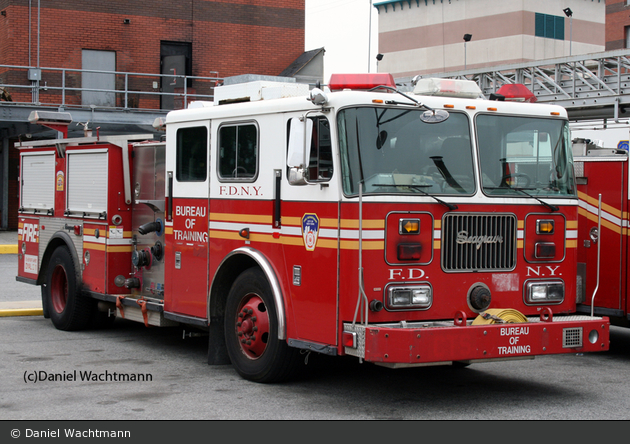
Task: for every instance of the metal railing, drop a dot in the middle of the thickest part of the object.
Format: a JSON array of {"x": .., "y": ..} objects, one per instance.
[{"x": 62, "y": 87}]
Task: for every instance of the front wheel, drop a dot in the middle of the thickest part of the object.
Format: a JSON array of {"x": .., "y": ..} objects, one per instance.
[
  {"x": 67, "y": 307},
  {"x": 251, "y": 331}
]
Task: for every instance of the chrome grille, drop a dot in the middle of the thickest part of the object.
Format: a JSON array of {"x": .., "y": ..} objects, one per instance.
[{"x": 473, "y": 242}]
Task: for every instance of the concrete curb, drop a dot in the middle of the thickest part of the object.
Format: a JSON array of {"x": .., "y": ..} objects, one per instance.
[{"x": 8, "y": 249}]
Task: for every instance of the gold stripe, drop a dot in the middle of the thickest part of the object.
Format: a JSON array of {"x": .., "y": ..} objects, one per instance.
[
  {"x": 233, "y": 217},
  {"x": 367, "y": 223},
  {"x": 572, "y": 224},
  {"x": 119, "y": 249},
  {"x": 437, "y": 224},
  {"x": 298, "y": 241},
  {"x": 93, "y": 246},
  {"x": 519, "y": 244},
  {"x": 168, "y": 230},
  {"x": 571, "y": 243},
  {"x": 297, "y": 221},
  {"x": 521, "y": 224},
  {"x": 606, "y": 224},
  {"x": 437, "y": 244},
  {"x": 367, "y": 245},
  {"x": 595, "y": 202}
]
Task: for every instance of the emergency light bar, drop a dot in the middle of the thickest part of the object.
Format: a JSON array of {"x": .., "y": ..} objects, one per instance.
[
  {"x": 55, "y": 120},
  {"x": 516, "y": 92},
  {"x": 465, "y": 89},
  {"x": 360, "y": 81}
]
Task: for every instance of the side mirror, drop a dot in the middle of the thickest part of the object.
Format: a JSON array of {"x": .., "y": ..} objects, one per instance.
[
  {"x": 299, "y": 138},
  {"x": 299, "y": 145}
]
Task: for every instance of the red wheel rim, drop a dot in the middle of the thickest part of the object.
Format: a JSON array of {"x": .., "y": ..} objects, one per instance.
[
  {"x": 59, "y": 289},
  {"x": 252, "y": 326}
]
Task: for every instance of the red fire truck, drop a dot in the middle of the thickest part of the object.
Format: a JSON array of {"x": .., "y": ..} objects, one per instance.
[
  {"x": 603, "y": 185},
  {"x": 403, "y": 228}
]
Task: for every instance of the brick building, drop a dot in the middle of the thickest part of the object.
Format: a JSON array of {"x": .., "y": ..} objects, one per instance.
[
  {"x": 617, "y": 24},
  {"x": 210, "y": 39},
  {"x": 193, "y": 37}
]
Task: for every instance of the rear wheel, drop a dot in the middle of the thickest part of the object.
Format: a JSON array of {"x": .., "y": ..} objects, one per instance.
[
  {"x": 67, "y": 307},
  {"x": 251, "y": 331}
]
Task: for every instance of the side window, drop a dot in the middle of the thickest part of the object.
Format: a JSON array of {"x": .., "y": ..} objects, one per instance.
[
  {"x": 320, "y": 165},
  {"x": 238, "y": 151},
  {"x": 192, "y": 154}
]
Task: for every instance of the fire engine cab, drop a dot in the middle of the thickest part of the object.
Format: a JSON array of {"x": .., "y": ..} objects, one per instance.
[{"x": 403, "y": 228}]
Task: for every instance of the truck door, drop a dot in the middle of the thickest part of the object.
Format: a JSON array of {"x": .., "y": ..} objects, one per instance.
[
  {"x": 310, "y": 213},
  {"x": 607, "y": 177},
  {"x": 186, "y": 256}
]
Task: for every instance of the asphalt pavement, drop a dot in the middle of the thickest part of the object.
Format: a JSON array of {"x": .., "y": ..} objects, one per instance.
[{"x": 9, "y": 307}]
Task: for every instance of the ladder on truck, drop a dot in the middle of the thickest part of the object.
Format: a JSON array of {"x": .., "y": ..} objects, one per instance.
[{"x": 590, "y": 86}]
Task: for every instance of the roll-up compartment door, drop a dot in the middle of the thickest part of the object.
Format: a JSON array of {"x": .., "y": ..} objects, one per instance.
[
  {"x": 87, "y": 182},
  {"x": 38, "y": 181}
]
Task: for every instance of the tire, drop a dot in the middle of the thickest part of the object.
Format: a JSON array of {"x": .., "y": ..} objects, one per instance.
[
  {"x": 67, "y": 307},
  {"x": 251, "y": 331},
  {"x": 45, "y": 299}
]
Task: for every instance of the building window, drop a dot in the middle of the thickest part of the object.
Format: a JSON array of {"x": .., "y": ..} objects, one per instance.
[
  {"x": 627, "y": 30},
  {"x": 192, "y": 154},
  {"x": 549, "y": 26},
  {"x": 238, "y": 152}
]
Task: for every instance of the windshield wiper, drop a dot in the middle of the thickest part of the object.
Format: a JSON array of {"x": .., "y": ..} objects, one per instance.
[
  {"x": 522, "y": 190},
  {"x": 393, "y": 102},
  {"x": 418, "y": 188}
]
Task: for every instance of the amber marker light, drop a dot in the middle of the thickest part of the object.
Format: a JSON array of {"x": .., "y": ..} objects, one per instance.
[
  {"x": 545, "y": 226},
  {"x": 409, "y": 226}
]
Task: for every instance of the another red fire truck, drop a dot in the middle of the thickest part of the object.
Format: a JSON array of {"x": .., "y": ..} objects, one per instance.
[
  {"x": 603, "y": 183},
  {"x": 405, "y": 229}
]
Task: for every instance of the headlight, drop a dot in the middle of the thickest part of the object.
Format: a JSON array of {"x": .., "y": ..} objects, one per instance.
[
  {"x": 544, "y": 292},
  {"x": 409, "y": 297}
]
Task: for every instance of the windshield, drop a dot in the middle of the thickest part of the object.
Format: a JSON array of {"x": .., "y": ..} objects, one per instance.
[
  {"x": 525, "y": 156},
  {"x": 393, "y": 151}
]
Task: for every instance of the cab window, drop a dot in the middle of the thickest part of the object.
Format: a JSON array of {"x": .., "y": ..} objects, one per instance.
[
  {"x": 238, "y": 152},
  {"x": 192, "y": 154}
]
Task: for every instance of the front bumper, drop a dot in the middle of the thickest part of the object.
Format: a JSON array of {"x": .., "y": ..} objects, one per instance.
[{"x": 426, "y": 343}]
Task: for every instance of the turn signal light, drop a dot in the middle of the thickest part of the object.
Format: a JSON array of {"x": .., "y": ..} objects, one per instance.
[
  {"x": 545, "y": 226},
  {"x": 409, "y": 226}
]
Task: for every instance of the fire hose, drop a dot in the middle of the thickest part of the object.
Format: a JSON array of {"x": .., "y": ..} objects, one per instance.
[{"x": 500, "y": 316}]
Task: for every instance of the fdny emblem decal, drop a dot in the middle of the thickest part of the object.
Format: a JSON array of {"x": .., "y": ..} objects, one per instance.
[{"x": 310, "y": 230}]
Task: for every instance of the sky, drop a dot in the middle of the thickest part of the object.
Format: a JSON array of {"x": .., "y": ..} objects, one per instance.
[{"x": 342, "y": 28}]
